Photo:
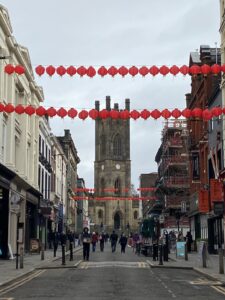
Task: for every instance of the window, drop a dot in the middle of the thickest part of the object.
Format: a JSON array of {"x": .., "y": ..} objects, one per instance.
[
  {"x": 39, "y": 144},
  {"x": 117, "y": 187},
  {"x": 135, "y": 215},
  {"x": 43, "y": 147},
  {"x": 117, "y": 149},
  {"x": 39, "y": 176},
  {"x": 100, "y": 214},
  {"x": 102, "y": 186}
]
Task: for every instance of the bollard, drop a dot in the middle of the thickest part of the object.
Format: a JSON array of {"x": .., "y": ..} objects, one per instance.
[
  {"x": 221, "y": 263},
  {"x": 71, "y": 251},
  {"x": 21, "y": 257},
  {"x": 186, "y": 252},
  {"x": 42, "y": 252},
  {"x": 63, "y": 255},
  {"x": 160, "y": 255},
  {"x": 55, "y": 249},
  {"x": 204, "y": 256}
]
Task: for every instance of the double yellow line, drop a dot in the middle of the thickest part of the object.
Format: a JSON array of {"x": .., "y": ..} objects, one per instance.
[{"x": 20, "y": 282}]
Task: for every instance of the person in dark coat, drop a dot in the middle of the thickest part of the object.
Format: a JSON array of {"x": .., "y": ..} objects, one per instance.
[
  {"x": 189, "y": 241},
  {"x": 113, "y": 239},
  {"x": 86, "y": 238},
  {"x": 123, "y": 242},
  {"x": 102, "y": 241}
]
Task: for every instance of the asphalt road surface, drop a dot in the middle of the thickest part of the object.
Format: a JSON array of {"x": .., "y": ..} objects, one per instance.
[{"x": 114, "y": 276}]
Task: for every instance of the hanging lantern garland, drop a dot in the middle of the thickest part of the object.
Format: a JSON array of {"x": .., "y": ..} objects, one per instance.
[
  {"x": 196, "y": 113},
  {"x": 133, "y": 71}
]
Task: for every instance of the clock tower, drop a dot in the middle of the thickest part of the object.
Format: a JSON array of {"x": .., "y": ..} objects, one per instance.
[{"x": 112, "y": 173}]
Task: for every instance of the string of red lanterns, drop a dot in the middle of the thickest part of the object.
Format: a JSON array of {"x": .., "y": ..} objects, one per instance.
[
  {"x": 205, "y": 114},
  {"x": 113, "y": 198},
  {"x": 122, "y": 71}
]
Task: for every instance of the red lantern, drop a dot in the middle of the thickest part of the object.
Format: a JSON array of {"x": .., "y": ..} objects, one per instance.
[
  {"x": 29, "y": 110},
  {"x": 195, "y": 70},
  {"x": 186, "y": 113},
  {"x": 156, "y": 114},
  {"x": 176, "y": 113},
  {"x": 93, "y": 113},
  {"x": 216, "y": 69},
  {"x": 51, "y": 112},
  {"x": 222, "y": 68},
  {"x": 61, "y": 71},
  {"x": 40, "y": 111},
  {"x": 114, "y": 114},
  {"x": 184, "y": 70},
  {"x": 134, "y": 114},
  {"x": 9, "y": 69},
  {"x": 104, "y": 114},
  {"x": 196, "y": 112},
  {"x": 164, "y": 70},
  {"x": 124, "y": 114},
  {"x": 112, "y": 71},
  {"x": 166, "y": 114},
  {"x": 216, "y": 111},
  {"x": 72, "y": 113},
  {"x": 82, "y": 71},
  {"x": 2, "y": 107},
  {"x": 123, "y": 71},
  {"x": 143, "y": 71},
  {"x": 19, "y": 109},
  {"x": 62, "y": 112},
  {"x": 205, "y": 69},
  {"x": 174, "y": 70},
  {"x": 40, "y": 70},
  {"x": 145, "y": 114},
  {"x": 83, "y": 114},
  {"x": 102, "y": 71},
  {"x": 50, "y": 70},
  {"x": 154, "y": 70},
  {"x": 19, "y": 69},
  {"x": 9, "y": 108},
  {"x": 133, "y": 71},
  {"x": 71, "y": 71},
  {"x": 91, "y": 72},
  {"x": 206, "y": 115}
]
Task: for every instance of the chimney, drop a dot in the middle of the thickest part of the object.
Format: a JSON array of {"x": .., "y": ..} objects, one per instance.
[
  {"x": 116, "y": 106},
  {"x": 127, "y": 104},
  {"x": 97, "y": 105},
  {"x": 108, "y": 107},
  {"x": 67, "y": 133}
]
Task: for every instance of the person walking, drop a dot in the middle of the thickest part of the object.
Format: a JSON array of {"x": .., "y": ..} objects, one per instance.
[
  {"x": 102, "y": 241},
  {"x": 123, "y": 242},
  {"x": 189, "y": 241},
  {"x": 86, "y": 239},
  {"x": 94, "y": 240},
  {"x": 113, "y": 239}
]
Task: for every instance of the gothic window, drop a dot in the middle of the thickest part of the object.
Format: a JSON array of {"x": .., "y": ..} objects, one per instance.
[
  {"x": 103, "y": 145},
  {"x": 100, "y": 214},
  {"x": 117, "y": 147},
  {"x": 117, "y": 187},
  {"x": 135, "y": 215},
  {"x": 102, "y": 186}
]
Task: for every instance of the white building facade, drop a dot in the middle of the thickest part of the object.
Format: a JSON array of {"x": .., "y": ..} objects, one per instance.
[{"x": 19, "y": 192}]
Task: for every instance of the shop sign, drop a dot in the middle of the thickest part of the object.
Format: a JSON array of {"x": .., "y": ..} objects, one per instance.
[
  {"x": 181, "y": 249},
  {"x": 203, "y": 202},
  {"x": 216, "y": 190}
]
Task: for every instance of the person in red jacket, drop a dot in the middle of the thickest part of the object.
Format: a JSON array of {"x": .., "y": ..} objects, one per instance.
[{"x": 94, "y": 240}]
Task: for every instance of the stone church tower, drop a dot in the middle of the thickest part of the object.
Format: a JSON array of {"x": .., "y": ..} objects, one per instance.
[{"x": 112, "y": 173}]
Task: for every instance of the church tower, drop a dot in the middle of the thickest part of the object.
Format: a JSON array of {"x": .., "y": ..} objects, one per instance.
[{"x": 112, "y": 172}]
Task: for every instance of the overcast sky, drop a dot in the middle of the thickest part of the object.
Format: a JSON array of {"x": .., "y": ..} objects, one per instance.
[{"x": 114, "y": 32}]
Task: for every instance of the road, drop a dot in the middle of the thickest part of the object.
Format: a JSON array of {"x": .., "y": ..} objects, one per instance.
[{"x": 114, "y": 276}]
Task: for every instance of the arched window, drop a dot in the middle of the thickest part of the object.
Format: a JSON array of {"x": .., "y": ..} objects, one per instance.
[
  {"x": 103, "y": 145},
  {"x": 117, "y": 187},
  {"x": 102, "y": 186},
  {"x": 117, "y": 147},
  {"x": 100, "y": 214},
  {"x": 135, "y": 215}
]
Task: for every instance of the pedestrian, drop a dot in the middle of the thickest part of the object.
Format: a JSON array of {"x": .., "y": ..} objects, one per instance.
[
  {"x": 102, "y": 241},
  {"x": 113, "y": 239},
  {"x": 94, "y": 240},
  {"x": 123, "y": 242},
  {"x": 189, "y": 241},
  {"x": 155, "y": 248},
  {"x": 55, "y": 241},
  {"x": 180, "y": 237},
  {"x": 86, "y": 238}
]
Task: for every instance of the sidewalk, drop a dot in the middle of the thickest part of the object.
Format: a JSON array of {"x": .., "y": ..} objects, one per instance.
[
  {"x": 8, "y": 271},
  {"x": 194, "y": 262}
]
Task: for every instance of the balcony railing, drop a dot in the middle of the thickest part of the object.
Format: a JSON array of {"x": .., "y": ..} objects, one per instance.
[{"x": 176, "y": 181}]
